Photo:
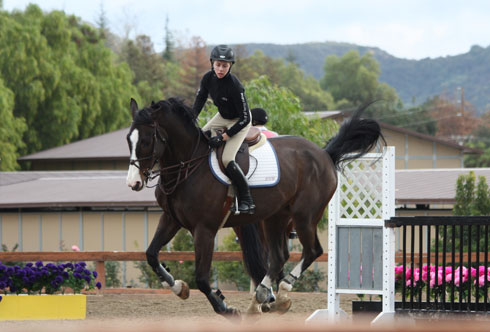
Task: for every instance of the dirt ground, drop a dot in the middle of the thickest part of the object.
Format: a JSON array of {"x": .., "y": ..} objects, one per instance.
[{"x": 164, "y": 311}]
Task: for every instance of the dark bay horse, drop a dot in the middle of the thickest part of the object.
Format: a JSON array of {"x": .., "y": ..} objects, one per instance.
[{"x": 192, "y": 198}]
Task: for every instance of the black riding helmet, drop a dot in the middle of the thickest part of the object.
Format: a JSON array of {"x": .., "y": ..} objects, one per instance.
[
  {"x": 223, "y": 53},
  {"x": 259, "y": 116}
]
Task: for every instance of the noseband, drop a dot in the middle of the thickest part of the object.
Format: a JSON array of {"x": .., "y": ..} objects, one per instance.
[{"x": 181, "y": 171}]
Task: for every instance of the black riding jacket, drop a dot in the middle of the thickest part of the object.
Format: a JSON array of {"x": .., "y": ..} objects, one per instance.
[{"x": 228, "y": 95}]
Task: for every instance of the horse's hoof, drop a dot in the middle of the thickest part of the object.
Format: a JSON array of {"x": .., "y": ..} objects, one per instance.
[
  {"x": 233, "y": 314},
  {"x": 281, "y": 307},
  {"x": 266, "y": 307},
  {"x": 185, "y": 291}
]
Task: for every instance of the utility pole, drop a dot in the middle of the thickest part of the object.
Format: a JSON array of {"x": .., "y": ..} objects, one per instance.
[{"x": 462, "y": 101}]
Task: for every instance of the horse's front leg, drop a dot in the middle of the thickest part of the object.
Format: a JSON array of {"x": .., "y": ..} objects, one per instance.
[
  {"x": 166, "y": 230},
  {"x": 203, "y": 245}
]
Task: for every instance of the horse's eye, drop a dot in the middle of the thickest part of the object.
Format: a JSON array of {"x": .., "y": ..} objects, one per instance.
[{"x": 145, "y": 143}]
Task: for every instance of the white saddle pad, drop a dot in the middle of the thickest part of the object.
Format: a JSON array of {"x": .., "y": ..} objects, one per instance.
[{"x": 263, "y": 170}]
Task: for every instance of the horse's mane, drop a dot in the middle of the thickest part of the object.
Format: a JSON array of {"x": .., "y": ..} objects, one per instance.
[
  {"x": 143, "y": 117},
  {"x": 178, "y": 107}
]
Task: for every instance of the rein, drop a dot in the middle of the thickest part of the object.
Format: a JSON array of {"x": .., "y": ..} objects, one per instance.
[{"x": 182, "y": 170}]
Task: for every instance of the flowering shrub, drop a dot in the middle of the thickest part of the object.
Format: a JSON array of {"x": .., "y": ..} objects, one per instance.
[
  {"x": 36, "y": 278},
  {"x": 435, "y": 279}
]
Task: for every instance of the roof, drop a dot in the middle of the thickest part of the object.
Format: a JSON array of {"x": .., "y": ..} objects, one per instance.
[
  {"x": 112, "y": 146},
  {"x": 426, "y": 137},
  {"x": 339, "y": 114},
  {"x": 431, "y": 186},
  {"x": 56, "y": 189},
  {"x": 70, "y": 189},
  {"x": 107, "y": 146}
]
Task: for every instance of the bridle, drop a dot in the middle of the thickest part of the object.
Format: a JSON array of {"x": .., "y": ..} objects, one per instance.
[
  {"x": 178, "y": 172},
  {"x": 148, "y": 171}
]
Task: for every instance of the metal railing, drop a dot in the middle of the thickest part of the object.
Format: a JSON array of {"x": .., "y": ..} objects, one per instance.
[{"x": 450, "y": 247}]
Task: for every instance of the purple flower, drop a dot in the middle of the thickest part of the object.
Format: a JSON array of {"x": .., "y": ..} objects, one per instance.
[
  {"x": 82, "y": 264},
  {"x": 94, "y": 274},
  {"x": 39, "y": 264},
  {"x": 2, "y": 285},
  {"x": 29, "y": 264},
  {"x": 65, "y": 275},
  {"x": 0, "y": 298},
  {"x": 98, "y": 285},
  {"x": 77, "y": 275},
  {"x": 87, "y": 279},
  {"x": 69, "y": 265},
  {"x": 2, "y": 267}
]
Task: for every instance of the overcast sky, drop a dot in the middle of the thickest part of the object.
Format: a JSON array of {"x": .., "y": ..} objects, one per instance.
[{"x": 412, "y": 29}]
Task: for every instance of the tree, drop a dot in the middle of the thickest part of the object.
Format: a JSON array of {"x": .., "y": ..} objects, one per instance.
[
  {"x": 11, "y": 131},
  {"x": 351, "y": 78},
  {"x": 102, "y": 22},
  {"x": 289, "y": 75},
  {"x": 66, "y": 83},
  {"x": 471, "y": 200},
  {"x": 148, "y": 68},
  {"x": 194, "y": 61},
  {"x": 453, "y": 121},
  {"x": 168, "y": 53}
]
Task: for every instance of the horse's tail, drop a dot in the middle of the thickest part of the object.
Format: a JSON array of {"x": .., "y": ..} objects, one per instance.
[
  {"x": 355, "y": 138},
  {"x": 254, "y": 252}
]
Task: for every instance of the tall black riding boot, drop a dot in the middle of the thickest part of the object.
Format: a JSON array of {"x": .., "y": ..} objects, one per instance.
[{"x": 245, "y": 202}]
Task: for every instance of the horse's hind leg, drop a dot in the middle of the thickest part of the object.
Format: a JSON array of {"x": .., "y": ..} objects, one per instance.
[
  {"x": 203, "y": 247},
  {"x": 166, "y": 230},
  {"x": 275, "y": 229},
  {"x": 306, "y": 227}
]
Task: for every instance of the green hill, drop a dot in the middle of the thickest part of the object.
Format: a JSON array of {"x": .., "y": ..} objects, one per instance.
[{"x": 414, "y": 80}]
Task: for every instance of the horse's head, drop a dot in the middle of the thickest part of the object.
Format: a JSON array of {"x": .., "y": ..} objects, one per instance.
[
  {"x": 165, "y": 129},
  {"x": 143, "y": 149}
]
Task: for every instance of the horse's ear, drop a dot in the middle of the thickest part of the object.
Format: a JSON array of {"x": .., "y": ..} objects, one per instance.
[{"x": 134, "y": 107}]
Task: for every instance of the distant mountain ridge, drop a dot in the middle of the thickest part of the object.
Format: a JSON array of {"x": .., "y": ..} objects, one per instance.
[{"x": 414, "y": 80}]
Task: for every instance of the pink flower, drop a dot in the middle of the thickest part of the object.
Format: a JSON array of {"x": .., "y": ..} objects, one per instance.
[
  {"x": 449, "y": 277},
  {"x": 399, "y": 269},
  {"x": 75, "y": 248},
  {"x": 424, "y": 276},
  {"x": 408, "y": 273},
  {"x": 481, "y": 281},
  {"x": 473, "y": 272},
  {"x": 416, "y": 275},
  {"x": 180, "y": 262},
  {"x": 449, "y": 269}
]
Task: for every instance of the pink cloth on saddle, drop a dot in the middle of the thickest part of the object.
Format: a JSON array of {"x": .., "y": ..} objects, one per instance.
[{"x": 268, "y": 133}]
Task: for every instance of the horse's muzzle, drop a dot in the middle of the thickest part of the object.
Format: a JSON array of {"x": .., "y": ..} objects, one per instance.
[{"x": 137, "y": 186}]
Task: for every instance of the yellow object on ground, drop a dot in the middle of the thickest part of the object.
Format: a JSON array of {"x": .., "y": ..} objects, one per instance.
[{"x": 43, "y": 307}]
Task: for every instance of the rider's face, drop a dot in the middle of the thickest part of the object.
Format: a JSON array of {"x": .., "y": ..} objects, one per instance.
[{"x": 221, "y": 68}]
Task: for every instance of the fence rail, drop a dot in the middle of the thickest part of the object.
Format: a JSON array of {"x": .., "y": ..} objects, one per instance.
[{"x": 99, "y": 257}]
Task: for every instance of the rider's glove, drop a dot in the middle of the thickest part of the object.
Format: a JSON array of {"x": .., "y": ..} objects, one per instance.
[{"x": 216, "y": 141}]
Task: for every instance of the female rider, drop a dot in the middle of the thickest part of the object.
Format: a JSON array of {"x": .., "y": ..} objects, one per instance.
[{"x": 233, "y": 115}]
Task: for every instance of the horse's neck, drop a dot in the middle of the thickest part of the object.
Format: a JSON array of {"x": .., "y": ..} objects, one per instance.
[{"x": 183, "y": 148}]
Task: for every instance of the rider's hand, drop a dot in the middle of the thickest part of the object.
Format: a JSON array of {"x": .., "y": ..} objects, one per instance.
[{"x": 216, "y": 141}]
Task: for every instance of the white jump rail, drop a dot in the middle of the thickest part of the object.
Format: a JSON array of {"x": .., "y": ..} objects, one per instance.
[{"x": 361, "y": 248}]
